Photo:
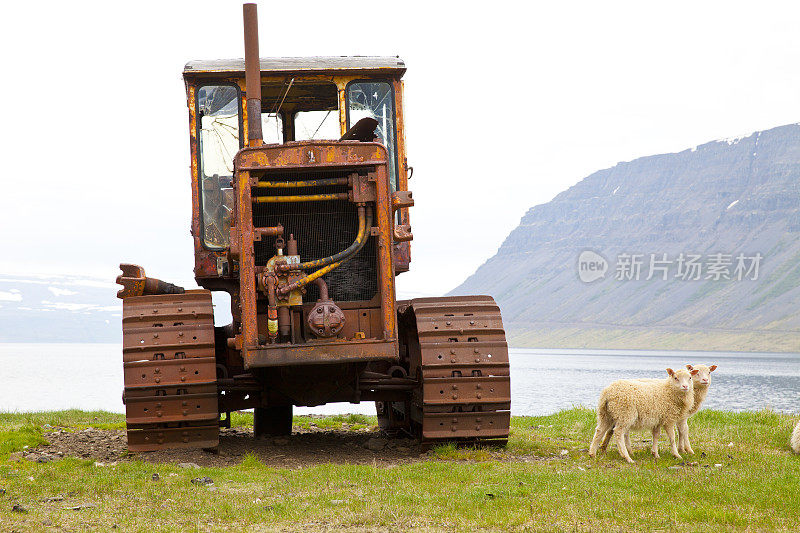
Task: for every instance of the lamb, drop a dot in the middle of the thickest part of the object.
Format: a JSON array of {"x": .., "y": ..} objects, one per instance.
[
  {"x": 700, "y": 381},
  {"x": 795, "y": 442},
  {"x": 636, "y": 404}
]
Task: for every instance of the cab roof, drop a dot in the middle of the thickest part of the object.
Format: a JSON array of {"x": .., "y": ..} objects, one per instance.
[{"x": 321, "y": 64}]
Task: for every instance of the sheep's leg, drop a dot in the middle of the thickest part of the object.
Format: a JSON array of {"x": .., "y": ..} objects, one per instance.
[
  {"x": 672, "y": 443},
  {"x": 656, "y": 435},
  {"x": 620, "y": 433},
  {"x": 628, "y": 441},
  {"x": 683, "y": 437},
  {"x": 606, "y": 440},
  {"x": 603, "y": 427}
]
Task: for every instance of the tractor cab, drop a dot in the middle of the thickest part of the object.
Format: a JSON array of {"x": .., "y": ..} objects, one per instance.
[{"x": 302, "y": 99}]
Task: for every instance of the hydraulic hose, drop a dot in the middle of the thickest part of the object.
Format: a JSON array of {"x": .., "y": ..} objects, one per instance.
[
  {"x": 359, "y": 243},
  {"x": 361, "y": 238}
]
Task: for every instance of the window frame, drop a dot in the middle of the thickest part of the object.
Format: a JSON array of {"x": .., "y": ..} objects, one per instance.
[
  {"x": 198, "y": 131},
  {"x": 388, "y": 81}
]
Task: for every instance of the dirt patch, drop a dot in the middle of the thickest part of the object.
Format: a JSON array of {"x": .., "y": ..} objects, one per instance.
[{"x": 303, "y": 448}]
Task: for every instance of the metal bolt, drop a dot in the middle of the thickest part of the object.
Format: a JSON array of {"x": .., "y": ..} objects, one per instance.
[
  {"x": 471, "y": 322},
  {"x": 180, "y": 334},
  {"x": 448, "y": 322},
  {"x": 452, "y": 352},
  {"x": 155, "y": 335},
  {"x": 158, "y": 414},
  {"x": 477, "y": 350},
  {"x": 183, "y": 378},
  {"x": 180, "y": 309},
  {"x": 478, "y": 395},
  {"x": 158, "y": 380},
  {"x": 455, "y": 396}
]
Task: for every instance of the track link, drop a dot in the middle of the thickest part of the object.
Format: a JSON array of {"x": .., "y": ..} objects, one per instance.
[
  {"x": 170, "y": 371},
  {"x": 459, "y": 355}
]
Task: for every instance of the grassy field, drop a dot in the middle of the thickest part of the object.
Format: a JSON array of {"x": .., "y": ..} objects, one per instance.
[{"x": 745, "y": 479}]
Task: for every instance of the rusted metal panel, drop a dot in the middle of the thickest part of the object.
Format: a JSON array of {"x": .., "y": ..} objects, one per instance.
[
  {"x": 161, "y": 373},
  {"x": 321, "y": 353},
  {"x": 173, "y": 437},
  {"x": 390, "y": 66},
  {"x": 169, "y": 370},
  {"x": 445, "y": 426},
  {"x": 458, "y": 350}
]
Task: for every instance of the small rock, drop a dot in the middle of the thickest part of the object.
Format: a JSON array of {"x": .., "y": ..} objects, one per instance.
[
  {"x": 337, "y": 502},
  {"x": 58, "y": 498},
  {"x": 694, "y": 463},
  {"x": 376, "y": 444},
  {"x": 203, "y": 481},
  {"x": 730, "y": 445},
  {"x": 44, "y": 459},
  {"x": 675, "y": 467},
  {"x": 582, "y": 469},
  {"x": 17, "y": 508},
  {"x": 564, "y": 452},
  {"x": 15, "y": 457},
  {"x": 718, "y": 465},
  {"x": 156, "y": 477},
  {"x": 188, "y": 465},
  {"x": 172, "y": 474},
  {"x": 79, "y": 507},
  {"x": 97, "y": 463},
  {"x": 280, "y": 441}
]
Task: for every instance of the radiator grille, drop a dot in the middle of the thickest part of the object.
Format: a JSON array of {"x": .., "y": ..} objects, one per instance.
[{"x": 321, "y": 229}]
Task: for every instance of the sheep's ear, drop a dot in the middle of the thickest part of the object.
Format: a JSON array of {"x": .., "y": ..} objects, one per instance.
[
  {"x": 712, "y": 368},
  {"x": 670, "y": 372},
  {"x": 695, "y": 372},
  {"x": 689, "y": 367}
]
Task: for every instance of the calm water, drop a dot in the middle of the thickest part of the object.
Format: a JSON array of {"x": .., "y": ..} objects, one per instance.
[{"x": 37, "y": 377}]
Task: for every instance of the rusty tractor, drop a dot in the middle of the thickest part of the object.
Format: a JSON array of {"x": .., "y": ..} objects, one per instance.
[{"x": 300, "y": 212}]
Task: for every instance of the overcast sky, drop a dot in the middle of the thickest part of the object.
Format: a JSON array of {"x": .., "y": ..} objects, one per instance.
[{"x": 507, "y": 104}]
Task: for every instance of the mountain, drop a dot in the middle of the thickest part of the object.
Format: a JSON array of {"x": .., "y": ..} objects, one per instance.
[
  {"x": 734, "y": 203},
  {"x": 59, "y": 309}
]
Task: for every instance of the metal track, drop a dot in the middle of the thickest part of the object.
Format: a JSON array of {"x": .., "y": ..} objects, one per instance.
[
  {"x": 459, "y": 356},
  {"x": 170, "y": 371}
]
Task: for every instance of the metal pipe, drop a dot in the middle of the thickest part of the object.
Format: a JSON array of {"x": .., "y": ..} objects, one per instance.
[
  {"x": 252, "y": 69},
  {"x": 305, "y": 183},
  {"x": 270, "y": 231},
  {"x": 272, "y": 308},
  {"x": 323, "y": 289},
  {"x": 301, "y": 198},
  {"x": 307, "y": 279},
  {"x": 364, "y": 227}
]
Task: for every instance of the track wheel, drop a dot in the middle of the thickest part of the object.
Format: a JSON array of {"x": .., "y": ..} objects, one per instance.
[
  {"x": 170, "y": 371},
  {"x": 457, "y": 350}
]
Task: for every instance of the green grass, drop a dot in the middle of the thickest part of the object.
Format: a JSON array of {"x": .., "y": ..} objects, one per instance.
[{"x": 542, "y": 481}]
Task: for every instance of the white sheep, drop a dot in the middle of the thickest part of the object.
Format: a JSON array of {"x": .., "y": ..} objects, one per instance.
[
  {"x": 795, "y": 442},
  {"x": 637, "y": 404},
  {"x": 701, "y": 380}
]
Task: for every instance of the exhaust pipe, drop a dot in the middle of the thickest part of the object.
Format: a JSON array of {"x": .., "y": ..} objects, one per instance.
[{"x": 252, "y": 75}]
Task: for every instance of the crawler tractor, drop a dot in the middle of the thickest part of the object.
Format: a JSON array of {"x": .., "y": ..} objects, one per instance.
[{"x": 300, "y": 212}]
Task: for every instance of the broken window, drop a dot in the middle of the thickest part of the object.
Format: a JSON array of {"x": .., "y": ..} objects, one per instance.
[
  {"x": 375, "y": 99},
  {"x": 219, "y": 137}
]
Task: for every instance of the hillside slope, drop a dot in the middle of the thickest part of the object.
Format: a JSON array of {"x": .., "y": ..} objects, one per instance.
[{"x": 730, "y": 197}]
